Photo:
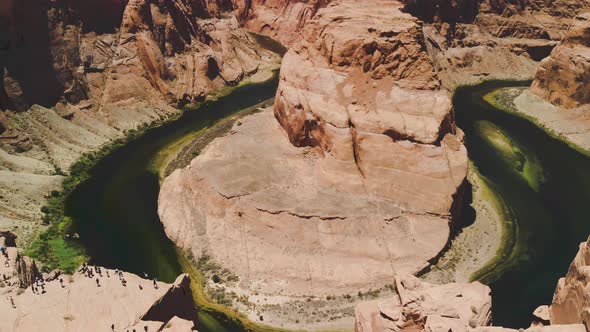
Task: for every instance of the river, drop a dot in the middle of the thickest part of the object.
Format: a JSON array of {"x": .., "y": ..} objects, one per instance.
[
  {"x": 544, "y": 183},
  {"x": 545, "y": 187}
]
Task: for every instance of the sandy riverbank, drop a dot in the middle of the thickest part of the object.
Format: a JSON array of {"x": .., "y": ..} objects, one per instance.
[
  {"x": 569, "y": 125},
  {"x": 475, "y": 244}
]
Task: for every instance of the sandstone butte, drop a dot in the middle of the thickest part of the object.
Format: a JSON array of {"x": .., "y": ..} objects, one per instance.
[
  {"x": 78, "y": 303},
  {"x": 350, "y": 183},
  {"x": 361, "y": 161}
]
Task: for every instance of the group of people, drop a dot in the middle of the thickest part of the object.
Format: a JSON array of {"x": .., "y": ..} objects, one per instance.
[
  {"x": 4, "y": 252},
  {"x": 39, "y": 284},
  {"x": 97, "y": 270}
]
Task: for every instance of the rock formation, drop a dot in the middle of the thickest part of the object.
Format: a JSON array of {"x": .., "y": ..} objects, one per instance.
[
  {"x": 420, "y": 306},
  {"x": 81, "y": 302},
  {"x": 571, "y": 301},
  {"x": 280, "y": 19},
  {"x": 559, "y": 98},
  {"x": 357, "y": 180},
  {"x": 564, "y": 77},
  {"x": 471, "y": 41}
]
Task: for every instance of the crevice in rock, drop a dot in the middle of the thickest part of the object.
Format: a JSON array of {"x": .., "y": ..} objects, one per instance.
[
  {"x": 303, "y": 216},
  {"x": 355, "y": 149}
]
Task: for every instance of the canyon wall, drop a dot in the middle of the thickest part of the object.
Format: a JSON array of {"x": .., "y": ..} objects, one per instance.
[
  {"x": 280, "y": 19},
  {"x": 559, "y": 98},
  {"x": 472, "y": 41},
  {"x": 564, "y": 78},
  {"x": 571, "y": 301},
  {"x": 75, "y": 75}
]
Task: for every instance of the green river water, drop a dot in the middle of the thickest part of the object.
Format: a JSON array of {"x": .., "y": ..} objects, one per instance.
[
  {"x": 545, "y": 187},
  {"x": 544, "y": 183}
]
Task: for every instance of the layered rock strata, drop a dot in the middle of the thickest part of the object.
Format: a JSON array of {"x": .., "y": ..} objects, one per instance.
[
  {"x": 355, "y": 183},
  {"x": 79, "y": 302},
  {"x": 564, "y": 77},
  {"x": 571, "y": 301},
  {"x": 86, "y": 72},
  {"x": 419, "y": 306},
  {"x": 281, "y": 19},
  {"x": 472, "y": 41}
]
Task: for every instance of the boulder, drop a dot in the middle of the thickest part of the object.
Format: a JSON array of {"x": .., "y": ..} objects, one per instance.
[
  {"x": 420, "y": 306},
  {"x": 571, "y": 301},
  {"x": 563, "y": 78}
]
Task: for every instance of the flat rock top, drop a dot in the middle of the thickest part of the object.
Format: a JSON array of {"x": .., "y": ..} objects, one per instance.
[
  {"x": 276, "y": 176},
  {"x": 81, "y": 305},
  {"x": 256, "y": 204}
]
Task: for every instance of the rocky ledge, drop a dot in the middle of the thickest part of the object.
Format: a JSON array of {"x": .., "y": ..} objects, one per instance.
[
  {"x": 92, "y": 299},
  {"x": 419, "y": 306}
]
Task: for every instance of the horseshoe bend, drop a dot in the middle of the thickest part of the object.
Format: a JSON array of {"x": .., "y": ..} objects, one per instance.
[{"x": 384, "y": 165}]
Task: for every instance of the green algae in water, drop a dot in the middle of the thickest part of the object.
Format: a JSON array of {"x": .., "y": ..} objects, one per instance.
[
  {"x": 509, "y": 151},
  {"x": 544, "y": 186}
]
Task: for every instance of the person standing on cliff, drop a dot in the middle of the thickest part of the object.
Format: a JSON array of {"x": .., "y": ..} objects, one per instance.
[{"x": 155, "y": 283}]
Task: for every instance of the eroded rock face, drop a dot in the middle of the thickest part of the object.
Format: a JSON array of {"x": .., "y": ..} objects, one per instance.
[
  {"x": 156, "y": 50},
  {"x": 471, "y": 41},
  {"x": 365, "y": 92},
  {"x": 280, "y": 19},
  {"x": 564, "y": 77},
  {"x": 571, "y": 301},
  {"x": 419, "y": 306}
]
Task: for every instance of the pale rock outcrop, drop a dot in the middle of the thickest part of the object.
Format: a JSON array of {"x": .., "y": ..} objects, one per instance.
[
  {"x": 80, "y": 302},
  {"x": 564, "y": 77},
  {"x": 542, "y": 314},
  {"x": 419, "y": 306},
  {"x": 81, "y": 305},
  {"x": 571, "y": 301}
]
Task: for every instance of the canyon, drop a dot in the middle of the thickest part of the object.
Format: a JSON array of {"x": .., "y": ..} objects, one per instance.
[{"x": 352, "y": 183}]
